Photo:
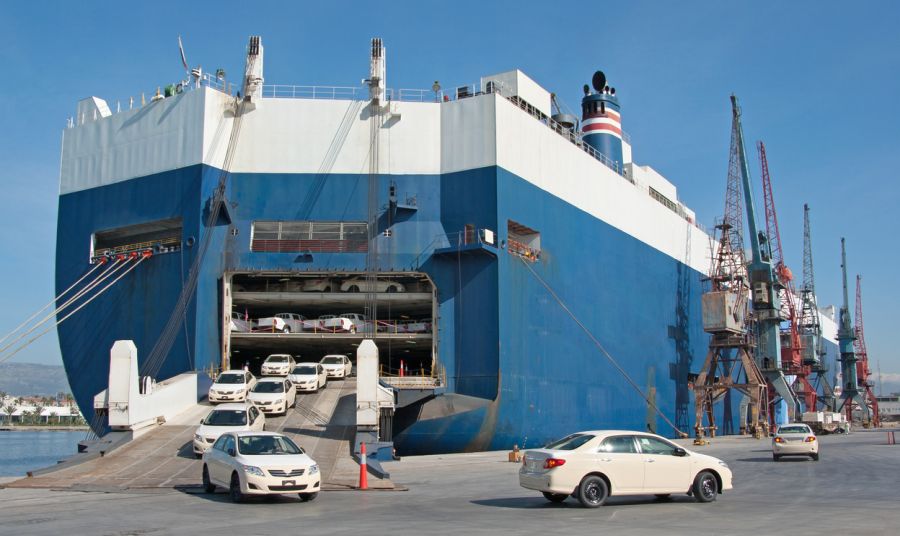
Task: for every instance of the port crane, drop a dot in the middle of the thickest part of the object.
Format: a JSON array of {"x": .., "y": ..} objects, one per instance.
[
  {"x": 850, "y": 392},
  {"x": 729, "y": 365},
  {"x": 791, "y": 342},
  {"x": 813, "y": 351},
  {"x": 863, "y": 373}
]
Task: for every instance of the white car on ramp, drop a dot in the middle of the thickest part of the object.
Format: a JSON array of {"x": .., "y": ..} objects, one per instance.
[
  {"x": 231, "y": 386},
  {"x": 336, "y": 365},
  {"x": 260, "y": 463},
  {"x": 274, "y": 395},
  {"x": 277, "y": 365},
  {"x": 593, "y": 466},
  {"x": 227, "y": 418},
  {"x": 308, "y": 376}
]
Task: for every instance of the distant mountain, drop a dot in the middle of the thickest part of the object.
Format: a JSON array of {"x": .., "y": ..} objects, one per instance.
[{"x": 22, "y": 379}]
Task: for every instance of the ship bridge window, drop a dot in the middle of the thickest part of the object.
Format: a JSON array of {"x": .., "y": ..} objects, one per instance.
[
  {"x": 523, "y": 241},
  {"x": 663, "y": 199},
  {"x": 309, "y": 236},
  {"x": 162, "y": 236}
]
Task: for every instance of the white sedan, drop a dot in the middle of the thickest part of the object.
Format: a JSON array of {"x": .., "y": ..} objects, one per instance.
[
  {"x": 260, "y": 463},
  {"x": 795, "y": 440},
  {"x": 231, "y": 386},
  {"x": 592, "y": 466},
  {"x": 277, "y": 365},
  {"x": 227, "y": 418},
  {"x": 336, "y": 365},
  {"x": 360, "y": 284},
  {"x": 274, "y": 395},
  {"x": 308, "y": 376}
]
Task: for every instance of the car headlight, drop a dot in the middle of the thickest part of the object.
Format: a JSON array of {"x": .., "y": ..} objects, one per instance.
[
  {"x": 253, "y": 470},
  {"x": 313, "y": 469},
  {"x": 198, "y": 437}
]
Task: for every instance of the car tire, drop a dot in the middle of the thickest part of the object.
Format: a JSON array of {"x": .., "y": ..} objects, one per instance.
[
  {"x": 706, "y": 487},
  {"x": 391, "y": 289},
  {"x": 592, "y": 491},
  {"x": 353, "y": 288},
  {"x": 327, "y": 289},
  {"x": 815, "y": 457},
  {"x": 208, "y": 486},
  {"x": 554, "y": 497},
  {"x": 287, "y": 329},
  {"x": 234, "y": 490},
  {"x": 306, "y": 497},
  {"x": 352, "y": 329},
  {"x": 776, "y": 457},
  {"x": 198, "y": 455}
]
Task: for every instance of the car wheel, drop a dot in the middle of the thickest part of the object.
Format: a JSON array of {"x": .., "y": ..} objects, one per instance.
[
  {"x": 815, "y": 457},
  {"x": 352, "y": 329},
  {"x": 705, "y": 487},
  {"x": 592, "y": 491},
  {"x": 235, "y": 489},
  {"x": 663, "y": 496},
  {"x": 208, "y": 486},
  {"x": 287, "y": 329},
  {"x": 776, "y": 457},
  {"x": 327, "y": 289},
  {"x": 198, "y": 455},
  {"x": 306, "y": 497},
  {"x": 352, "y": 288},
  {"x": 554, "y": 497},
  {"x": 392, "y": 289}
]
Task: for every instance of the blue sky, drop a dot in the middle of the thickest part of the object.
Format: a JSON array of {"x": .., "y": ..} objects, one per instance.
[{"x": 818, "y": 83}]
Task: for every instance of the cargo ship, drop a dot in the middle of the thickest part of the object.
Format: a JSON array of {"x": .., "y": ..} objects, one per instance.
[{"x": 512, "y": 258}]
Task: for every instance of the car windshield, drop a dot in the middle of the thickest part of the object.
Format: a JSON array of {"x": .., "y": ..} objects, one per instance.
[
  {"x": 277, "y": 359},
  {"x": 230, "y": 378},
  {"x": 793, "y": 430},
  {"x": 226, "y": 417},
  {"x": 333, "y": 360},
  {"x": 269, "y": 387},
  {"x": 266, "y": 445},
  {"x": 571, "y": 442},
  {"x": 304, "y": 370}
]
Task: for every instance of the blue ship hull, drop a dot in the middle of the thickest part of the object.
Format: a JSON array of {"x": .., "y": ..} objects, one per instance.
[{"x": 519, "y": 369}]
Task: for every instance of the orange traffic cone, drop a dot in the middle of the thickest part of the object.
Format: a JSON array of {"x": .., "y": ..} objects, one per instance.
[{"x": 363, "y": 473}]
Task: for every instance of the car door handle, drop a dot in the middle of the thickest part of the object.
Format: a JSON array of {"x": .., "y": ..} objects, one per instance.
[
  {"x": 605, "y": 459},
  {"x": 651, "y": 460}
]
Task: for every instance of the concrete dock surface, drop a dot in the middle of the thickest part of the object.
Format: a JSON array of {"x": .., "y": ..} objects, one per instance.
[{"x": 852, "y": 488}]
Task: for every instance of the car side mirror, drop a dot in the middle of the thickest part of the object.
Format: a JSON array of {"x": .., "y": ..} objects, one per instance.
[
  {"x": 231, "y": 452},
  {"x": 679, "y": 452}
]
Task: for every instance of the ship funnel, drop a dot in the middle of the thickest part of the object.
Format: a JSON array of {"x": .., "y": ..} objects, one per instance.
[{"x": 601, "y": 121}]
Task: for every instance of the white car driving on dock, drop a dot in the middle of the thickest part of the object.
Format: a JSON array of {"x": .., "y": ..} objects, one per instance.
[
  {"x": 231, "y": 386},
  {"x": 308, "y": 376},
  {"x": 592, "y": 466},
  {"x": 277, "y": 365},
  {"x": 260, "y": 463},
  {"x": 795, "y": 439},
  {"x": 336, "y": 365},
  {"x": 238, "y": 417},
  {"x": 273, "y": 395}
]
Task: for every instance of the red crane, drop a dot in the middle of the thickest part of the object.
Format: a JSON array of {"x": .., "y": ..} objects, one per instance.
[
  {"x": 791, "y": 348},
  {"x": 863, "y": 373}
]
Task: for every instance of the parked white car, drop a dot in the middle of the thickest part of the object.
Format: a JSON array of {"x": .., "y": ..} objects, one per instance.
[
  {"x": 336, "y": 365},
  {"x": 235, "y": 417},
  {"x": 277, "y": 365},
  {"x": 419, "y": 326},
  {"x": 346, "y": 323},
  {"x": 231, "y": 386},
  {"x": 241, "y": 323},
  {"x": 360, "y": 284},
  {"x": 323, "y": 319},
  {"x": 320, "y": 285},
  {"x": 274, "y": 395},
  {"x": 308, "y": 376},
  {"x": 283, "y": 322},
  {"x": 592, "y": 466},
  {"x": 260, "y": 463},
  {"x": 795, "y": 439}
]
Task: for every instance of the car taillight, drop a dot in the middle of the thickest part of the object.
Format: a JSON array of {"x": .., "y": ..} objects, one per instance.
[
  {"x": 810, "y": 439},
  {"x": 550, "y": 463},
  {"x": 779, "y": 440}
]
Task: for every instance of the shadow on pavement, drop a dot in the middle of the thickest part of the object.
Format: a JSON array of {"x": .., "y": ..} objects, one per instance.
[{"x": 535, "y": 503}]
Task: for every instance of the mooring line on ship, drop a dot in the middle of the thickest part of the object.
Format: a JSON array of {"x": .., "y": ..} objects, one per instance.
[
  {"x": 56, "y": 299},
  {"x": 63, "y": 319},
  {"x": 89, "y": 287},
  {"x": 602, "y": 349}
]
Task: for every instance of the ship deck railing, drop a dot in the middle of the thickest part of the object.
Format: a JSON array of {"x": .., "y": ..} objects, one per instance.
[{"x": 283, "y": 91}]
